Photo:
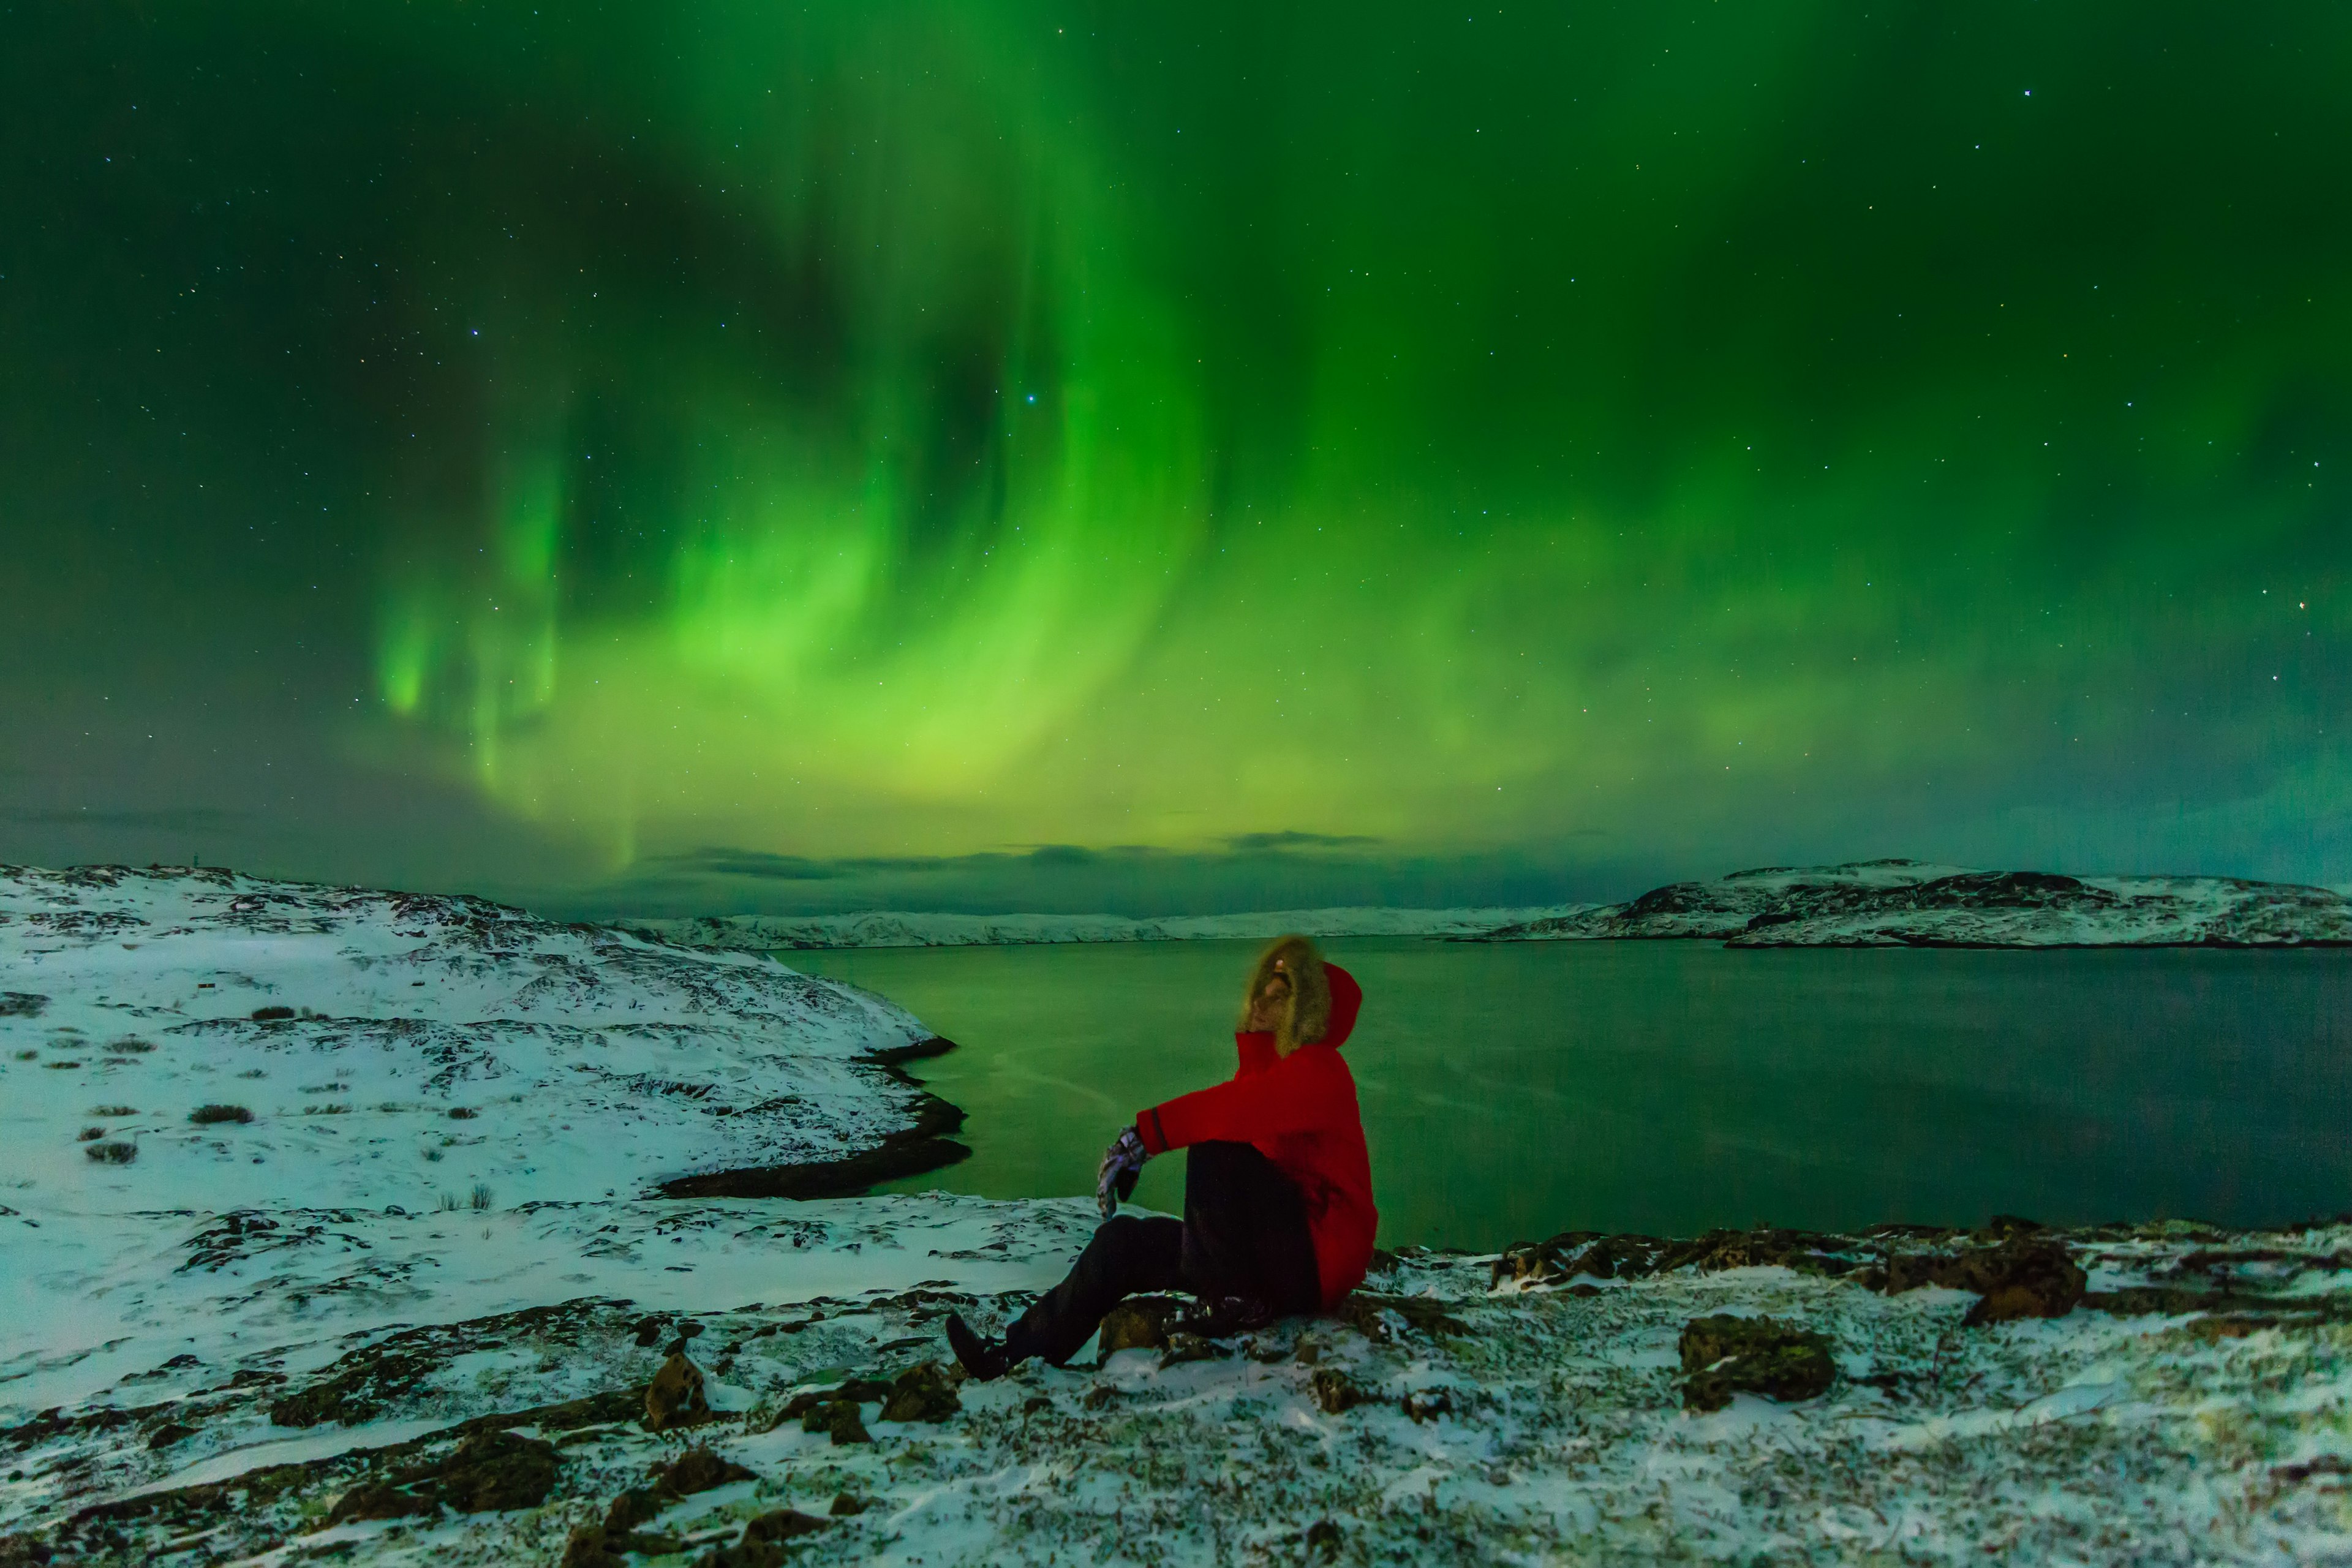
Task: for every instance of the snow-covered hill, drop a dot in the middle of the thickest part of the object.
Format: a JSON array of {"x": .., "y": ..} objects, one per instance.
[
  {"x": 889, "y": 929},
  {"x": 1910, "y": 903},
  {"x": 393, "y": 1049}
]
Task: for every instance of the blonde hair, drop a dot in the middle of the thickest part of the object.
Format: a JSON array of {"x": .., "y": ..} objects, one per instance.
[{"x": 1307, "y": 1011}]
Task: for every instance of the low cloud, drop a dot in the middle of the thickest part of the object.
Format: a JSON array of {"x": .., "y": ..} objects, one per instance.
[
  {"x": 757, "y": 863},
  {"x": 1259, "y": 842}
]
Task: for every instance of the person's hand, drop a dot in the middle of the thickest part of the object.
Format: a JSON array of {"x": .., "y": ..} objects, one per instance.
[{"x": 1123, "y": 1162}]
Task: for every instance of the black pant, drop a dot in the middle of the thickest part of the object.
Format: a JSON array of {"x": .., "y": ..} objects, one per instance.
[{"x": 1243, "y": 1234}]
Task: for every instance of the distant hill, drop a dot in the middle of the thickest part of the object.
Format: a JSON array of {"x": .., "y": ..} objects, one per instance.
[
  {"x": 890, "y": 928},
  {"x": 1868, "y": 903},
  {"x": 1911, "y": 903}
]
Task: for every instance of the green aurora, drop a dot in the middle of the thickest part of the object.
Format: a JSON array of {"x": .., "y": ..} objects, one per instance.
[{"x": 731, "y": 456}]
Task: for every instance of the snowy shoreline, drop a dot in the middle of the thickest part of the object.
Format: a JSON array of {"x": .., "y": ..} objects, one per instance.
[{"x": 1876, "y": 903}]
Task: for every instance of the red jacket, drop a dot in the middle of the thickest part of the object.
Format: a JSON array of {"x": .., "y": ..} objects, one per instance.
[{"x": 1299, "y": 1111}]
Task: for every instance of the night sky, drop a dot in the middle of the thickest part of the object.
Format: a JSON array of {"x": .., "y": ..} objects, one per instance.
[{"x": 692, "y": 456}]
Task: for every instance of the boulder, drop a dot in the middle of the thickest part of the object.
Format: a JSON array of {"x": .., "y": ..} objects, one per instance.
[
  {"x": 1726, "y": 1355},
  {"x": 786, "y": 1524},
  {"x": 492, "y": 1471},
  {"x": 1183, "y": 1347},
  {"x": 1138, "y": 1323},
  {"x": 698, "y": 1470},
  {"x": 2021, "y": 1277},
  {"x": 921, "y": 1394},
  {"x": 674, "y": 1397},
  {"x": 587, "y": 1549},
  {"x": 839, "y": 1419}
]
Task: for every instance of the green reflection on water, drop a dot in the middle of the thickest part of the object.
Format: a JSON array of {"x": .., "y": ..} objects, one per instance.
[{"x": 1514, "y": 1091}]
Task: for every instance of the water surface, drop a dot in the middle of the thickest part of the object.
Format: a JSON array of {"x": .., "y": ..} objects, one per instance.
[{"x": 1515, "y": 1091}]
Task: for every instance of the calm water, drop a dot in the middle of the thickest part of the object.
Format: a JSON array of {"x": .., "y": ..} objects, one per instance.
[{"x": 1516, "y": 1090}]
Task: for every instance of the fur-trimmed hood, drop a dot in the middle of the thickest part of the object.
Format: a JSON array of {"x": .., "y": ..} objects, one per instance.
[{"x": 1324, "y": 998}]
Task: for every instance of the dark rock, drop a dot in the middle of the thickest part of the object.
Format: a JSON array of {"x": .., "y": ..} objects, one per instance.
[
  {"x": 845, "y": 1507},
  {"x": 846, "y": 1426},
  {"x": 587, "y": 1548},
  {"x": 2019, "y": 1278},
  {"x": 921, "y": 1394},
  {"x": 494, "y": 1471},
  {"x": 1538, "y": 1262},
  {"x": 605, "y": 1409},
  {"x": 1336, "y": 1392},
  {"x": 674, "y": 1397},
  {"x": 374, "y": 1499},
  {"x": 809, "y": 1407},
  {"x": 356, "y": 1391},
  {"x": 2009, "y": 1227},
  {"x": 743, "y": 1554},
  {"x": 169, "y": 1433},
  {"x": 649, "y": 1331},
  {"x": 1324, "y": 1537},
  {"x": 791, "y": 1524},
  {"x": 1137, "y": 1324},
  {"x": 632, "y": 1508},
  {"x": 1427, "y": 1404},
  {"x": 1726, "y": 1355},
  {"x": 1182, "y": 1347},
  {"x": 2323, "y": 1465},
  {"x": 271, "y": 1015},
  {"x": 1361, "y": 1311},
  {"x": 698, "y": 1470}
]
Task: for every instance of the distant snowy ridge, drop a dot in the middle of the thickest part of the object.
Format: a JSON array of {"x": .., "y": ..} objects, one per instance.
[
  {"x": 1868, "y": 903},
  {"x": 888, "y": 929},
  {"x": 400, "y": 1049},
  {"x": 1910, "y": 903}
]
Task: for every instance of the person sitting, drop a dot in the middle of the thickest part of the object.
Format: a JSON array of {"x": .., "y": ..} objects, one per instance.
[{"x": 1278, "y": 1215}]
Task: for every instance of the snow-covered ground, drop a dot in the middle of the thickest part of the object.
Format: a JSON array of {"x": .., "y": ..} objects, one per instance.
[
  {"x": 340, "y": 1354},
  {"x": 395, "y": 1049},
  {"x": 255, "y": 1373},
  {"x": 1888, "y": 903},
  {"x": 886, "y": 929}
]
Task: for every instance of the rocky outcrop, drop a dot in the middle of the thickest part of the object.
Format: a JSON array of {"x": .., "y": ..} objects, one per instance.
[
  {"x": 1724, "y": 1355},
  {"x": 2021, "y": 1277},
  {"x": 1909, "y": 903}
]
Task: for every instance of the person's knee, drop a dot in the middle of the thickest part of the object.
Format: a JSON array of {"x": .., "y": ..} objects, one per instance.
[
  {"x": 1221, "y": 1157},
  {"x": 1118, "y": 1233}
]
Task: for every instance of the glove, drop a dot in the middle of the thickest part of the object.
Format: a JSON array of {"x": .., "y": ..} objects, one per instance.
[{"x": 1123, "y": 1162}]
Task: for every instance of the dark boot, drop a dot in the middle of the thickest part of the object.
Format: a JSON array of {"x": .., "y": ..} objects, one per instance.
[{"x": 983, "y": 1360}]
